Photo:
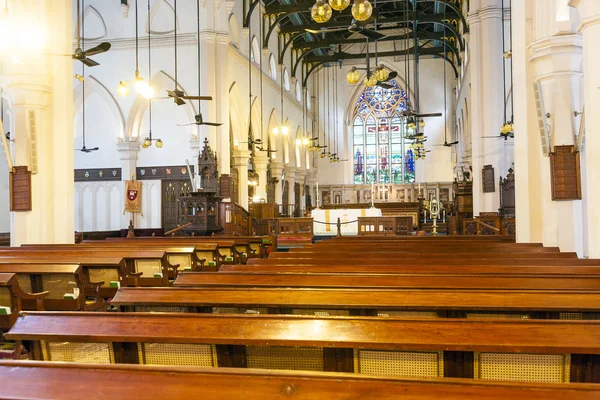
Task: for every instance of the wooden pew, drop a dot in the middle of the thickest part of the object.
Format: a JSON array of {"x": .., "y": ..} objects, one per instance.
[
  {"x": 252, "y": 245},
  {"x": 401, "y": 347},
  {"x": 55, "y": 280},
  {"x": 184, "y": 257},
  {"x": 432, "y": 303},
  {"x": 226, "y": 252},
  {"x": 95, "y": 269},
  {"x": 11, "y": 300},
  {"x": 32, "y": 380},
  {"x": 383, "y": 281},
  {"x": 146, "y": 262},
  {"x": 428, "y": 269}
]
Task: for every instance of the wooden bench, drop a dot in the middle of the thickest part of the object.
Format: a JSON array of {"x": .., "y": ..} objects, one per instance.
[
  {"x": 222, "y": 251},
  {"x": 413, "y": 281},
  {"x": 432, "y": 303},
  {"x": 96, "y": 269},
  {"x": 525, "y": 349},
  {"x": 67, "y": 381},
  {"x": 183, "y": 257},
  {"x": 138, "y": 262},
  {"x": 11, "y": 300},
  {"x": 427, "y": 268},
  {"x": 57, "y": 280}
]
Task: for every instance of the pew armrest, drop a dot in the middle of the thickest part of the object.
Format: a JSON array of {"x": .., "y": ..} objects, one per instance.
[
  {"x": 99, "y": 302},
  {"x": 136, "y": 277},
  {"x": 38, "y": 297}
]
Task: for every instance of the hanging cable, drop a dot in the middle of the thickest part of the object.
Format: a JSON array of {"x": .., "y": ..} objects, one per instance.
[
  {"x": 149, "y": 76},
  {"x": 512, "y": 97},
  {"x": 175, "y": 32},
  {"x": 81, "y": 34},
  {"x": 250, "y": 55},
  {"x": 445, "y": 87},
  {"x": 503, "y": 64},
  {"x": 199, "y": 57},
  {"x": 260, "y": 31}
]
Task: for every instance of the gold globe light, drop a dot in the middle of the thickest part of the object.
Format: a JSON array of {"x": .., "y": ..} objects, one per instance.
[
  {"x": 370, "y": 82},
  {"x": 353, "y": 76},
  {"x": 140, "y": 85},
  {"x": 285, "y": 130},
  {"x": 123, "y": 89},
  {"x": 298, "y": 142},
  {"x": 146, "y": 143},
  {"x": 382, "y": 73},
  {"x": 321, "y": 12},
  {"x": 305, "y": 141},
  {"x": 362, "y": 10},
  {"x": 159, "y": 143},
  {"x": 339, "y": 5},
  {"x": 422, "y": 123},
  {"x": 275, "y": 131}
]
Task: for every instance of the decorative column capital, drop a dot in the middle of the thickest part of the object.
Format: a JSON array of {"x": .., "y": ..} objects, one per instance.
[
  {"x": 128, "y": 150},
  {"x": 557, "y": 55},
  {"x": 240, "y": 158},
  {"x": 29, "y": 91},
  {"x": 589, "y": 10}
]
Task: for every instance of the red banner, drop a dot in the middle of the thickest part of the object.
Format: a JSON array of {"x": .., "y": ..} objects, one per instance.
[{"x": 133, "y": 196}]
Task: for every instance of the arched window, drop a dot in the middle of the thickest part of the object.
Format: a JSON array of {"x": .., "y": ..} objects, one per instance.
[
  {"x": 272, "y": 67},
  {"x": 298, "y": 91},
  {"x": 286, "y": 80},
  {"x": 381, "y": 151},
  {"x": 255, "y": 51},
  {"x": 307, "y": 99}
]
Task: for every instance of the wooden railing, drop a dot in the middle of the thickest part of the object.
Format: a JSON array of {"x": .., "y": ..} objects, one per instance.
[{"x": 235, "y": 220}]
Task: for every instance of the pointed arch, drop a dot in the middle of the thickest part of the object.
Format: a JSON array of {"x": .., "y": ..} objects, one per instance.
[
  {"x": 358, "y": 89},
  {"x": 160, "y": 82},
  {"x": 238, "y": 124},
  {"x": 92, "y": 85},
  {"x": 93, "y": 22},
  {"x": 161, "y": 17},
  {"x": 255, "y": 117}
]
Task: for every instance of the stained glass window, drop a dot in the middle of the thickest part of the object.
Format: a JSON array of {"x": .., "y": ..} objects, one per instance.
[{"x": 381, "y": 153}]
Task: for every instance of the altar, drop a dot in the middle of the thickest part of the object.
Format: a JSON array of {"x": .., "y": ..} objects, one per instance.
[{"x": 324, "y": 221}]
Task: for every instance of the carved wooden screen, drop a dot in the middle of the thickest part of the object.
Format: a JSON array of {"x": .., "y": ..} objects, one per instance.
[
  {"x": 235, "y": 184},
  {"x": 489, "y": 182},
  {"x": 565, "y": 173},
  {"x": 271, "y": 186},
  {"x": 171, "y": 191},
  {"x": 297, "y": 194},
  {"x": 507, "y": 194},
  {"x": 286, "y": 193}
]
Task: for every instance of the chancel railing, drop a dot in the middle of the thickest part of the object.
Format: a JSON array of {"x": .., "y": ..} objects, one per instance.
[{"x": 235, "y": 219}]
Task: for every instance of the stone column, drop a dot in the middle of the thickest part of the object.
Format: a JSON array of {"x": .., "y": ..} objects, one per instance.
[
  {"x": 276, "y": 170},
  {"x": 128, "y": 153},
  {"x": 558, "y": 62},
  {"x": 487, "y": 104},
  {"x": 240, "y": 159},
  {"x": 260, "y": 163},
  {"x": 41, "y": 95},
  {"x": 589, "y": 27},
  {"x": 528, "y": 150}
]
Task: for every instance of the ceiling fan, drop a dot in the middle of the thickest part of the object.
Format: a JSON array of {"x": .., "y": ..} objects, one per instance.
[
  {"x": 177, "y": 94},
  {"x": 80, "y": 54},
  {"x": 200, "y": 121},
  {"x": 504, "y": 136},
  {"x": 354, "y": 27},
  {"x": 268, "y": 151},
  {"x": 85, "y": 149}
]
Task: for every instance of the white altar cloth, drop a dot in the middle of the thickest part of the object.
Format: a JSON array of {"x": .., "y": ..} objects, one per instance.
[{"x": 345, "y": 215}]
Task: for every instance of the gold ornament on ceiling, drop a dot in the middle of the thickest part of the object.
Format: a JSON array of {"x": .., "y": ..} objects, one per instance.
[{"x": 362, "y": 10}]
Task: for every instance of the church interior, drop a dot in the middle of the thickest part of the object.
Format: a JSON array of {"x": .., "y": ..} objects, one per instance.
[{"x": 301, "y": 199}]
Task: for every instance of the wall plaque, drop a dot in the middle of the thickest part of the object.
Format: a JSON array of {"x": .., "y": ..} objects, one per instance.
[
  {"x": 565, "y": 174},
  {"x": 20, "y": 189},
  {"x": 489, "y": 182}
]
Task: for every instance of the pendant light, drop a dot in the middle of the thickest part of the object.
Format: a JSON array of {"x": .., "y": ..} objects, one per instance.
[
  {"x": 362, "y": 10},
  {"x": 321, "y": 12},
  {"x": 149, "y": 93}
]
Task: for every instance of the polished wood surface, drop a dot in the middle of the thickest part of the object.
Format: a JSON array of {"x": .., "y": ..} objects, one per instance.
[
  {"x": 482, "y": 269},
  {"x": 537, "y": 336},
  {"x": 41, "y": 268},
  {"x": 53, "y": 381},
  {"x": 441, "y": 281},
  {"x": 389, "y": 299}
]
